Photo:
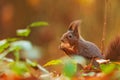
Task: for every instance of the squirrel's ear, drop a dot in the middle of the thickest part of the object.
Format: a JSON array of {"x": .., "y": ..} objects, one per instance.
[{"x": 74, "y": 27}]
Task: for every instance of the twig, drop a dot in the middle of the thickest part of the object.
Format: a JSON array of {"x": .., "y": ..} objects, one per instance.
[
  {"x": 43, "y": 69},
  {"x": 104, "y": 26}
]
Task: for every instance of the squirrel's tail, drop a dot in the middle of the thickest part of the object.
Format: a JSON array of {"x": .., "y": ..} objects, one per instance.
[{"x": 113, "y": 50}]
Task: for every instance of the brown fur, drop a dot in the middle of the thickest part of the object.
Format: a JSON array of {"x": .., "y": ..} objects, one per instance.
[{"x": 113, "y": 50}]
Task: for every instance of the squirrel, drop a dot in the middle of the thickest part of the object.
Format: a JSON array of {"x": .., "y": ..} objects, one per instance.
[{"x": 72, "y": 43}]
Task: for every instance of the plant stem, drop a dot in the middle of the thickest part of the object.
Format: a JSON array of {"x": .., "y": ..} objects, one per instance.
[
  {"x": 104, "y": 27},
  {"x": 16, "y": 54}
]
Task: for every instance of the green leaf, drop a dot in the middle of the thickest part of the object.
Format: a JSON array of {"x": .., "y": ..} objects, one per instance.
[
  {"x": 23, "y": 32},
  {"x": 69, "y": 69},
  {"x": 12, "y": 39},
  {"x": 53, "y": 62},
  {"x": 39, "y": 23},
  {"x": 107, "y": 68},
  {"x": 19, "y": 67},
  {"x": 3, "y": 45}
]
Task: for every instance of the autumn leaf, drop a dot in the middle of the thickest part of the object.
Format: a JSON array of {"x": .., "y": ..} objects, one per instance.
[{"x": 53, "y": 62}]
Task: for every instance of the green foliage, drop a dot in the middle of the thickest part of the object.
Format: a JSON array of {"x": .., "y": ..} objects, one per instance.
[
  {"x": 80, "y": 60},
  {"x": 26, "y": 32},
  {"x": 12, "y": 39},
  {"x": 107, "y": 68},
  {"x": 3, "y": 45},
  {"x": 19, "y": 67},
  {"x": 16, "y": 54},
  {"x": 38, "y": 24},
  {"x": 69, "y": 69},
  {"x": 69, "y": 65},
  {"x": 23, "y": 32},
  {"x": 53, "y": 62},
  {"x": 14, "y": 45},
  {"x": 113, "y": 67}
]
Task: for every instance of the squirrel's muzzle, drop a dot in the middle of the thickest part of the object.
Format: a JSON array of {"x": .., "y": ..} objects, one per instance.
[{"x": 62, "y": 40}]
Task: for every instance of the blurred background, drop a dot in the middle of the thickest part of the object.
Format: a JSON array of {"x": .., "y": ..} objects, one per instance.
[{"x": 17, "y": 14}]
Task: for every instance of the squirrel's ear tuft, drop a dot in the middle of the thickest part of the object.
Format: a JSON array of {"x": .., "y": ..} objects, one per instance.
[{"x": 74, "y": 27}]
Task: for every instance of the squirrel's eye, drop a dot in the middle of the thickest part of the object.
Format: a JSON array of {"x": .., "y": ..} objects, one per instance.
[{"x": 70, "y": 36}]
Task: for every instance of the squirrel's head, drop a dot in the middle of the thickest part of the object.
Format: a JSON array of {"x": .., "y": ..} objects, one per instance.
[{"x": 71, "y": 37}]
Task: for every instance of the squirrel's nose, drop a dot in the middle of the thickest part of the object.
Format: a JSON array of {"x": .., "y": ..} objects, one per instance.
[{"x": 61, "y": 40}]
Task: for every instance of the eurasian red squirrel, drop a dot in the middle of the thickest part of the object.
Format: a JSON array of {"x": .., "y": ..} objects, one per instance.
[{"x": 72, "y": 43}]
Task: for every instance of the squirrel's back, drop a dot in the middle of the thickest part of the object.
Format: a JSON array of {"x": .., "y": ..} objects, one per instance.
[
  {"x": 89, "y": 49},
  {"x": 113, "y": 50}
]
